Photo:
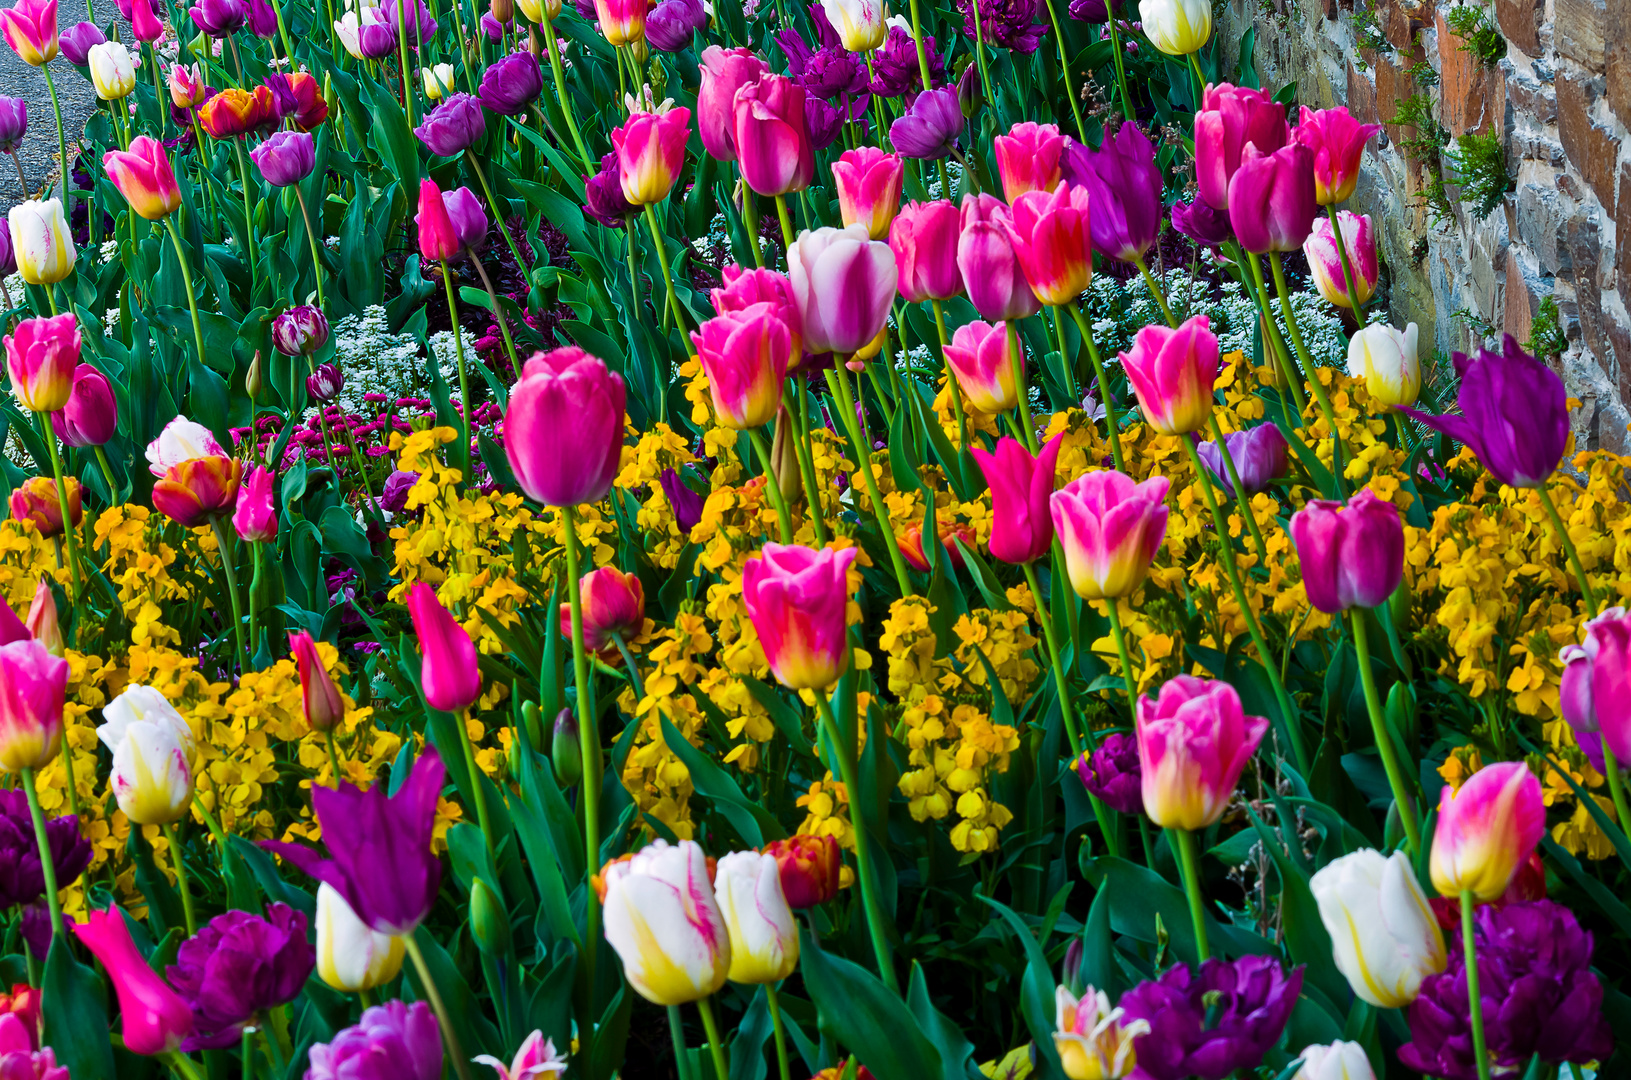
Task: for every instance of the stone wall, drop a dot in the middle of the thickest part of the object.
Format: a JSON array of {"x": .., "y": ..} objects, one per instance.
[{"x": 1560, "y": 101}]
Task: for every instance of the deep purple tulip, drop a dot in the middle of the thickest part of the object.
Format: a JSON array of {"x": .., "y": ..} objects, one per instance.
[
  {"x": 494, "y": 29},
  {"x": 1006, "y": 24},
  {"x": 1201, "y": 223},
  {"x": 8, "y": 255},
  {"x": 686, "y": 504},
  {"x": 381, "y": 859},
  {"x": 376, "y": 41},
  {"x": 830, "y": 73},
  {"x": 415, "y": 20},
  {"x": 930, "y": 127},
  {"x": 300, "y": 331},
  {"x": 512, "y": 84},
  {"x": 325, "y": 383},
  {"x": 1112, "y": 773},
  {"x": 453, "y": 126},
  {"x": 261, "y": 18},
  {"x": 585, "y": 9},
  {"x": 1538, "y": 992},
  {"x": 239, "y": 965},
  {"x": 1271, "y": 198},
  {"x": 1259, "y": 454},
  {"x": 895, "y": 66},
  {"x": 76, "y": 41},
  {"x": 671, "y": 24},
  {"x": 13, "y": 123},
  {"x": 22, "y": 881},
  {"x": 286, "y": 157},
  {"x": 468, "y": 218},
  {"x": 1211, "y": 1024},
  {"x": 1124, "y": 183},
  {"x": 823, "y": 122},
  {"x": 394, "y": 496},
  {"x": 390, "y": 1042},
  {"x": 1514, "y": 414},
  {"x": 1090, "y": 11},
  {"x": 218, "y": 18},
  {"x": 603, "y": 194}
]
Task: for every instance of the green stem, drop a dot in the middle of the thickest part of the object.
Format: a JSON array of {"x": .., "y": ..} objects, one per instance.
[
  {"x": 402, "y": 58},
  {"x": 1303, "y": 354},
  {"x": 465, "y": 407},
  {"x": 1149, "y": 283},
  {"x": 1184, "y": 841},
  {"x": 62, "y": 146},
  {"x": 565, "y": 98},
  {"x": 69, "y": 536},
  {"x": 979, "y": 52},
  {"x": 1110, "y": 419},
  {"x": 715, "y": 1047},
  {"x": 53, "y": 904},
  {"x": 1200, "y": 81},
  {"x": 498, "y": 214},
  {"x": 922, "y": 57},
  {"x": 1058, "y": 665},
  {"x": 455, "y": 1050},
  {"x": 1384, "y": 740},
  {"x": 781, "y": 1034},
  {"x": 863, "y": 465},
  {"x": 249, "y": 221},
  {"x": 187, "y": 280},
  {"x": 783, "y": 517},
  {"x": 475, "y": 783},
  {"x": 1347, "y": 266},
  {"x": 1064, "y": 72},
  {"x": 1121, "y": 69},
  {"x": 806, "y": 458},
  {"x": 107, "y": 474},
  {"x": 1586, "y": 592},
  {"x": 1242, "y": 499},
  {"x": 676, "y": 1032},
  {"x": 634, "y": 669},
  {"x": 952, "y": 386},
  {"x": 255, "y": 578},
  {"x": 1276, "y": 343},
  {"x": 246, "y": 1050},
  {"x": 786, "y": 219},
  {"x": 182, "y": 886},
  {"x": 662, "y": 261},
  {"x": 1128, "y": 679},
  {"x": 311, "y": 239},
  {"x": 498, "y": 314},
  {"x": 334, "y": 756},
  {"x": 588, "y": 736},
  {"x": 1475, "y": 1001},
  {"x": 750, "y": 219},
  {"x": 186, "y": 1066},
  {"x": 231, "y": 575},
  {"x": 1016, "y": 357}
]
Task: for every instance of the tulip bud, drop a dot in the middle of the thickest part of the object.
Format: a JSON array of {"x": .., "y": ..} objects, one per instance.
[
  {"x": 1325, "y": 258},
  {"x": 42, "y": 619},
  {"x": 1384, "y": 938},
  {"x": 503, "y": 10},
  {"x": 155, "y": 1018},
  {"x": 764, "y": 938},
  {"x": 565, "y": 750},
  {"x": 1173, "y": 372},
  {"x": 1338, "y": 1061},
  {"x": 319, "y": 696},
  {"x": 1177, "y": 27},
  {"x": 35, "y": 499},
  {"x": 113, "y": 70},
  {"x": 31, "y": 708},
  {"x": 489, "y": 922},
  {"x": 352, "y": 957},
  {"x": 784, "y": 462},
  {"x": 449, "y": 674},
  {"x": 1352, "y": 554}
]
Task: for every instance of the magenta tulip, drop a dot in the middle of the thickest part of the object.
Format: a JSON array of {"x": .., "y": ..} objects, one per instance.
[
  {"x": 613, "y": 605},
  {"x": 1353, "y": 555},
  {"x": 438, "y": 239},
  {"x": 156, "y": 1019},
  {"x": 1338, "y": 142},
  {"x": 449, "y": 674},
  {"x": 1611, "y": 682},
  {"x": 42, "y": 355},
  {"x": 724, "y": 72},
  {"x": 91, "y": 416},
  {"x": 1021, "y": 487},
  {"x": 745, "y": 288},
  {"x": 980, "y": 356},
  {"x": 745, "y": 355},
  {"x": 1053, "y": 240},
  {"x": 1231, "y": 117},
  {"x": 797, "y": 599},
  {"x": 990, "y": 270},
  {"x": 32, "y": 688},
  {"x": 1110, "y": 528},
  {"x": 320, "y": 698},
  {"x": 1028, "y": 158},
  {"x": 30, "y": 27},
  {"x": 1271, "y": 199},
  {"x": 255, "y": 518},
  {"x": 1172, "y": 372},
  {"x": 773, "y": 148},
  {"x": 924, "y": 238},
  {"x": 563, "y": 433},
  {"x": 1194, "y": 739}
]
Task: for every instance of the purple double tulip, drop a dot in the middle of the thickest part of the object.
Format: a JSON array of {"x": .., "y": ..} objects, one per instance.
[
  {"x": 237, "y": 967},
  {"x": 453, "y": 126},
  {"x": 1124, "y": 185},
  {"x": 672, "y": 23},
  {"x": 218, "y": 18},
  {"x": 1209, "y": 1023},
  {"x": 512, "y": 84},
  {"x": 286, "y": 157}
]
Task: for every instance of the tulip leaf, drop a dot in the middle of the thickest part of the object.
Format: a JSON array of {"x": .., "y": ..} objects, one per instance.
[
  {"x": 550, "y": 864},
  {"x": 948, "y": 1038},
  {"x": 1612, "y": 905},
  {"x": 476, "y": 1032},
  {"x": 397, "y": 146},
  {"x": 1098, "y": 966},
  {"x": 1306, "y": 938},
  {"x": 991, "y": 590},
  {"x": 163, "y": 905},
  {"x": 74, "y": 1009},
  {"x": 747, "y": 1049},
  {"x": 1604, "y": 822},
  {"x": 1317, "y": 471},
  {"x": 865, "y": 1017},
  {"x": 611, "y": 1036},
  {"x": 751, "y": 821},
  {"x": 1036, "y": 992}
]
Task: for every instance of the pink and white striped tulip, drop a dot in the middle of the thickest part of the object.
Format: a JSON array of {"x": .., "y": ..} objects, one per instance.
[
  {"x": 764, "y": 937},
  {"x": 843, "y": 282},
  {"x": 663, "y": 920},
  {"x": 1325, "y": 261}
]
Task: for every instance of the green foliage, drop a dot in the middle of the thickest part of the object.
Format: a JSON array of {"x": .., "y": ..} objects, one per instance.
[
  {"x": 1479, "y": 162},
  {"x": 1546, "y": 338},
  {"x": 1425, "y": 146},
  {"x": 1479, "y": 33},
  {"x": 1422, "y": 74},
  {"x": 1368, "y": 35}
]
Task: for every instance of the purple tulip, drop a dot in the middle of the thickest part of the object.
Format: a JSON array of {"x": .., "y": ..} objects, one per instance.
[
  {"x": 686, "y": 504},
  {"x": 300, "y": 331},
  {"x": 895, "y": 66},
  {"x": 381, "y": 861},
  {"x": 76, "y": 41},
  {"x": 22, "y": 881},
  {"x": 13, "y": 123},
  {"x": 391, "y": 1042},
  {"x": 376, "y": 41},
  {"x": 218, "y": 18},
  {"x": 834, "y": 72},
  {"x": 1007, "y": 24},
  {"x": 823, "y": 122},
  {"x": 1210, "y": 1024},
  {"x": 603, "y": 194},
  {"x": 261, "y": 18},
  {"x": 469, "y": 219},
  {"x": 1112, "y": 773},
  {"x": 512, "y": 84},
  {"x": 671, "y": 24},
  {"x": 1538, "y": 992},
  {"x": 930, "y": 127},
  {"x": 238, "y": 966},
  {"x": 1090, "y": 11},
  {"x": 1202, "y": 224},
  {"x": 8, "y": 255},
  {"x": 493, "y": 28},
  {"x": 1271, "y": 198},
  {"x": 286, "y": 157},
  {"x": 1259, "y": 454},
  {"x": 1514, "y": 414},
  {"x": 394, "y": 496},
  {"x": 453, "y": 126},
  {"x": 585, "y": 9},
  {"x": 325, "y": 383},
  {"x": 1125, "y": 184},
  {"x": 415, "y": 20}
]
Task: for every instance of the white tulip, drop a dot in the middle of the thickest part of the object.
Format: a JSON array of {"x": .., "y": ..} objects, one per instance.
[
  {"x": 1383, "y": 933},
  {"x": 861, "y": 24},
  {"x": 1092, "y": 1041},
  {"x": 1386, "y": 359},
  {"x": 152, "y": 749},
  {"x": 113, "y": 70},
  {"x": 1177, "y": 27},
  {"x": 351, "y": 955},
  {"x": 1339, "y": 1061},
  {"x": 764, "y": 938},
  {"x": 181, "y": 440},
  {"x": 438, "y": 81},
  {"x": 41, "y": 242},
  {"x": 348, "y": 29},
  {"x": 662, "y": 919}
]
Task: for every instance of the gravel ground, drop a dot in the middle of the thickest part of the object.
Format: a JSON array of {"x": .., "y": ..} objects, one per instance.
[{"x": 38, "y": 152}]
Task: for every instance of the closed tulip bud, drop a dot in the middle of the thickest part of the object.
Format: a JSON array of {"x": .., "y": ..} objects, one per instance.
[
  {"x": 351, "y": 956},
  {"x": 1486, "y": 829},
  {"x": 1021, "y": 490},
  {"x": 784, "y": 462},
  {"x": 438, "y": 239},
  {"x": 843, "y": 282},
  {"x": 563, "y": 432},
  {"x": 13, "y": 123},
  {"x": 771, "y": 137},
  {"x": 187, "y": 86},
  {"x": 1384, "y": 937},
  {"x": 929, "y": 128},
  {"x": 42, "y": 621},
  {"x": 797, "y": 599},
  {"x": 1028, "y": 158},
  {"x": 449, "y": 672},
  {"x": 982, "y": 359},
  {"x": 1271, "y": 199},
  {"x": 376, "y": 36},
  {"x": 662, "y": 919},
  {"x": 31, "y": 707},
  {"x": 1193, "y": 741},
  {"x": 146, "y": 25},
  {"x": 300, "y": 331},
  {"x": 348, "y": 29},
  {"x": 1231, "y": 117},
  {"x": 1123, "y": 183},
  {"x": 286, "y": 157},
  {"x": 1259, "y": 455},
  {"x": 1203, "y": 224},
  {"x": 862, "y": 25},
  {"x": 1093, "y": 1041},
  {"x": 438, "y": 81},
  {"x": 810, "y": 867},
  {"x": 113, "y": 70},
  {"x": 745, "y": 355},
  {"x": 76, "y": 41},
  {"x": 489, "y": 922},
  {"x": 154, "y": 1018},
  {"x": 453, "y": 126},
  {"x": 1172, "y": 372},
  {"x": 724, "y": 72},
  {"x": 469, "y": 219},
  {"x": 325, "y": 383},
  {"x": 566, "y": 749},
  {"x": 650, "y": 154},
  {"x": 1338, "y": 1061},
  {"x": 320, "y": 698},
  {"x": 41, "y": 242},
  {"x": 621, "y": 21},
  {"x": 152, "y": 749},
  {"x": 924, "y": 238},
  {"x": 30, "y": 28},
  {"x": 1325, "y": 260},
  {"x": 35, "y": 500},
  {"x": 1177, "y": 27},
  {"x": 91, "y": 415},
  {"x": 985, "y": 258},
  {"x": 144, "y": 177},
  {"x": 1110, "y": 528},
  {"x": 764, "y": 938},
  {"x": 1387, "y": 360},
  {"x": 41, "y": 357},
  {"x": 255, "y": 518},
  {"x": 868, "y": 182},
  {"x": 613, "y": 605},
  {"x": 1351, "y": 556},
  {"x": 1338, "y": 142}
]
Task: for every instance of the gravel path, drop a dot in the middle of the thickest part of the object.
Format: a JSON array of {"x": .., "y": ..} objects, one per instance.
[{"x": 17, "y": 79}]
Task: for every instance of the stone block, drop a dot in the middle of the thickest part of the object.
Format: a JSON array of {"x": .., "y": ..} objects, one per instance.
[
  {"x": 1622, "y": 248},
  {"x": 1471, "y": 94},
  {"x": 1362, "y": 96},
  {"x": 1590, "y": 147},
  {"x": 1617, "y": 60},
  {"x": 1520, "y": 21},
  {"x": 1580, "y": 29},
  {"x": 1400, "y": 19},
  {"x": 1539, "y": 227},
  {"x": 1533, "y": 102},
  {"x": 1585, "y": 251},
  {"x": 1523, "y": 290}
]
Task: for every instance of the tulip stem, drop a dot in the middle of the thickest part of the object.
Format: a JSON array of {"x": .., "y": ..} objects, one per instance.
[
  {"x": 1347, "y": 266},
  {"x": 107, "y": 474},
  {"x": 1111, "y": 421},
  {"x": 1586, "y": 592},
  {"x": 333, "y": 757},
  {"x": 30, "y": 788},
  {"x": 662, "y": 261},
  {"x": 1384, "y": 739},
  {"x": 311, "y": 239},
  {"x": 464, "y": 375},
  {"x": 1016, "y": 357},
  {"x": 1242, "y": 500},
  {"x": 1189, "y": 862},
  {"x": 181, "y": 878},
  {"x": 1115, "y": 53},
  {"x": 249, "y": 223},
  {"x": 186, "y": 1066},
  {"x": 863, "y": 464},
  {"x": 1058, "y": 665},
  {"x": 843, "y": 748},
  {"x": 718, "y": 1051},
  {"x": 565, "y": 98},
  {"x": 1064, "y": 73},
  {"x": 1475, "y": 1002},
  {"x": 1149, "y": 282},
  {"x": 953, "y": 388},
  {"x": 1200, "y": 81},
  {"x": 70, "y": 538},
  {"x": 1288, "y": 712},
  {"x": 62, "y": 148},
  {"x": 806, "y": 459},
  {"x": 588, "y": 737},
  {"x": 786, "y": 221},
  {"x": 775, "y": 1004},
  {"x": 455, "y": 1050},
  {"x": 231, "y": 574},
  {"x": 255, "y": 578},
  {"x": 1276, "y": 344},
  {"x": 783, "y": 517},
  {"x": 499, "y": 316},
  {"x": 750, "y": 218},
  {"x": 475, "y": 781},
  {"x": 676, "y": 1032},
  {"x": 1314, "y": 384},
  {"x": 498, "y": 216},
  {"x": 402, "y": 53}
]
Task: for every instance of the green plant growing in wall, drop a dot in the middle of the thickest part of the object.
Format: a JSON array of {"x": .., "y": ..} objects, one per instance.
[
  {"x": 1480, "y": 36},
  {"x": 1479, "y": 162},
  {"x": 1546, "y": 339},
  {"x": 1368, "y": 35},
  {"x": 1425, "y": 147}
]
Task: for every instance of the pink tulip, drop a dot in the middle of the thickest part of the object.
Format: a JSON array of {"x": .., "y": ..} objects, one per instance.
[
  {"x": 43, "y": 623},
  {"x": 1172, "y": 372},
  {"x": 41, "y": 355},
  {"x": 1193, "y": 741},
  {"x": 35, "y": 500},
  {"x": 449, "y": 674},
  {"x": 924, "y": 238},
  {"x": 32, "y": 685},
  {"x": 1576, "y": 697},
  {"x": 745, "y": 288},
  {"x": 319, "y": 697},
  {"x": 1271, "y": 199},
  {"x": 255, "y": 518},
  {"x": 30, "y": 27},
  {"x": 1054, "y": 242},
  {"x": 773, "y": 148},
  {"x": 145, "y": 24},
  {"x": 1231, "y": 117},
  {"x": 11, "y": 627},
  {"x": 1021, "y": 487},
  {"x": 868, "y": 182},
  {"x": 990, "y": 269},
  {"x": 1338, "y": 142},
  {"x": 1325, "y": 261},
  {"x": 537, "y": 1059},
  {"x": 187, "y": 86},
  {"x": 622, "y": 21},
  {"x": 563, "y": 433},
  {"x": 1028, "y": 158},
  {"x": 613, "y": 605},
  {"x": 650, "y": 151},
  {"x": 438, "y": 239},
  {"x": 745, "y": 354},
  {"x": 198, "y": 481},
  {"x": 91, "y": 416},
  {"x": 144, "y": 177},
  {"x": 1486, "y": 830},
  {"x": 156, "y": 1019},
  {"x": 980, "y": 357},
  {"x": 1353, "y": 555},
  {"x": 1110, "y": 527},
  {"x": 796, "y": 598},
  {"x": 843, "y": 282},
  {"x": 1611, "y": 681},
  {"x": 724, "y": 72}
]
